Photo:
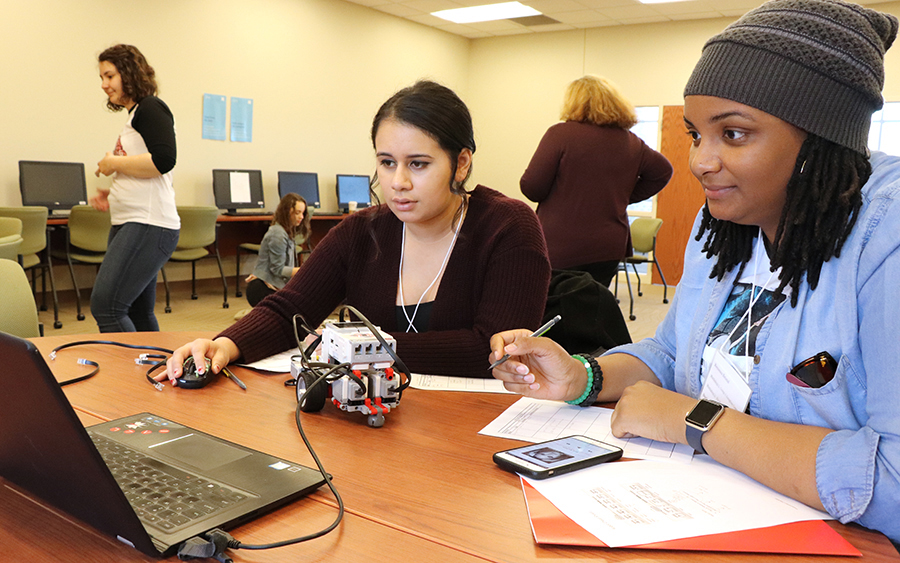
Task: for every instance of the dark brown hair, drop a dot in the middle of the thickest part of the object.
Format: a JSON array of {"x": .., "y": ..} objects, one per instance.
[
  {"x": 138, "y": 77},
  {"x": 438, "y": 112},
  {"x": 283, "y": 216}
]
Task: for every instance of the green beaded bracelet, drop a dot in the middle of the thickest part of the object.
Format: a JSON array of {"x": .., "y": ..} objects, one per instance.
[
  {"x": 594, "y": 384},
  {"x": 590, "y": 381}
]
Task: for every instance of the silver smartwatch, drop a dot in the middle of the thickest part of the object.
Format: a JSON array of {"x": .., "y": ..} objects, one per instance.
[{"x": 699, "y": 420}]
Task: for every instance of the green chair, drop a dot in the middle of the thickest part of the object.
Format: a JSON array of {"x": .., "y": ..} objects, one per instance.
[
  {"x": 18, "y": 315},
  {"x": 34, "y": 251},
  {"x": 10, "y": 238},
  {"x": 643, "y": 240},
  {"x": 86, "y": 239},
  {"x": 198, "y": 234}
]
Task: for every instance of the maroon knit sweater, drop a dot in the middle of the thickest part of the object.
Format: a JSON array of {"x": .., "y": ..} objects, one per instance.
[
  {"x": 583, "y": 177},
  {"x": 496, "y": 279}
]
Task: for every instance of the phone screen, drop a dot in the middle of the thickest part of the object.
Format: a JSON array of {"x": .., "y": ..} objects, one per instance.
[{"x": 561, "y": 452}]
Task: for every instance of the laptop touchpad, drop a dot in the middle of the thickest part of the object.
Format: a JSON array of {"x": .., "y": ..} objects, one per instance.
[{"x": 199, "y": 451}]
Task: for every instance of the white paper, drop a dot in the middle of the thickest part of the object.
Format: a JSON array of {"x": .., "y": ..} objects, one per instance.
[
  {"x": 467, "y": 384},
  {"x": 638, "y": 502},
  {"x": 279, "y": 363},
  {"x": 533, "y": 420},
  {"x": 240, "y": 187}
]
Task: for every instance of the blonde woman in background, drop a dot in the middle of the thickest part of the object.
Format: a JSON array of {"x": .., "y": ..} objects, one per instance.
[{"x": 584, "y": 174}]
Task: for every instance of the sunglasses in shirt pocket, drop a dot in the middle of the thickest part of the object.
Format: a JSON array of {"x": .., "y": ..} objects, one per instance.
[{"x": 832, "y": 404}]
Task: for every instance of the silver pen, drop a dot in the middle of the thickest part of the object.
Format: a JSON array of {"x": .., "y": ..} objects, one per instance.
[{"x": 539, "y": 332}]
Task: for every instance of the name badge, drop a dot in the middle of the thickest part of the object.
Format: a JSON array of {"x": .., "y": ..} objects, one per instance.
[{"x": 724, "y": 382}]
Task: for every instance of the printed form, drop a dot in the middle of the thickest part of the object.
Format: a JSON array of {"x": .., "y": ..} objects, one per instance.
[
  {"x": 534, "y": 420},
  {"x": 639, "y": 502}
]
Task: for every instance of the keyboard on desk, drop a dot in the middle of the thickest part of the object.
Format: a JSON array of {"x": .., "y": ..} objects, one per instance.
[
  {"x": 251, "y": 213},
  {"x": 163, "y": 496}
]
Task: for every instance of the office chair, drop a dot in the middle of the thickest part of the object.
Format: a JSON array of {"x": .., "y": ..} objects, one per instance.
[
  {"x": 35, "y": 251},
  {"x": 86, "y": 239},
  {"x": 643, "y": 240},
  {"x": 18, "y": 314},
  {"x": 249, "y": 247},
  {"x": 198, "y": 232},
  {"x": 10, "y": 238}
]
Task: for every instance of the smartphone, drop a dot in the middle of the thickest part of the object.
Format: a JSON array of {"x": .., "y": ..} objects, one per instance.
[{"x": 555, "y": 457}]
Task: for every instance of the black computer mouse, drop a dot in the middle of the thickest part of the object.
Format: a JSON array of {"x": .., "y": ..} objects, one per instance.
[{"x": 191, "y": 379}]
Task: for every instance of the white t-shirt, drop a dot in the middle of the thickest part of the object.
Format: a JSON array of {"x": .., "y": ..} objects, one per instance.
[{"x": 141, "y": 200}]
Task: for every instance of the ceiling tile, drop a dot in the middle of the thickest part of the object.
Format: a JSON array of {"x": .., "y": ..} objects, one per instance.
[
  {"x": 548, "y": 6},
  {"x": 429, "y": 6},
  {"x": 581, "y": 16},
  {"x": 399, "y": 10}
]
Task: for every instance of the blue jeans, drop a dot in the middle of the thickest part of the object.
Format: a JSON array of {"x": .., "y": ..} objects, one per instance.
[{"x": 124, "y": 293}]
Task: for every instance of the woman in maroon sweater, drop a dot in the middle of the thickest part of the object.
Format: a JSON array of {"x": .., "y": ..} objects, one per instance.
[
  {"x": 584, "y": 174},
  {"x": 438, "y": 267}
]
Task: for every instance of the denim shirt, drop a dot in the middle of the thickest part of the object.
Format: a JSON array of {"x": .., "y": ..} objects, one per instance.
[
  {"x": 277, "y": 257},
  {"x": 854, "y": 314}
]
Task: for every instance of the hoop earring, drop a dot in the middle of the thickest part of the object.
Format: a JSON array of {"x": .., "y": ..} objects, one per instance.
[{"x": 803, "y": 167}]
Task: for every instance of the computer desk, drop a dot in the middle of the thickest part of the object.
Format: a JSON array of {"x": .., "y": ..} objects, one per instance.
[{"x": 422, "y": 488}]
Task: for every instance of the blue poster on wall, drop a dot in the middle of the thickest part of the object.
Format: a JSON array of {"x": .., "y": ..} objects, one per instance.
[
  {"x": 241, "y": 120},
  {"x": 214, "y": 117}
]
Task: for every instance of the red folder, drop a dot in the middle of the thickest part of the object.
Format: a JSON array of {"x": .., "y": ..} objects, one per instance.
[{"x": 812, "y": 537}]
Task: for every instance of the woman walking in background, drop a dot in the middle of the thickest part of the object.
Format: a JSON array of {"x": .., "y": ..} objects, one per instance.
[{"x": 141, "y": 200}]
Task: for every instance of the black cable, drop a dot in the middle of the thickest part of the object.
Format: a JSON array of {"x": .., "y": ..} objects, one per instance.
[
  {"x": 143, "y": 359},
  {"x": 83, "y": 362},
  {"x": 238, "y": 545}
]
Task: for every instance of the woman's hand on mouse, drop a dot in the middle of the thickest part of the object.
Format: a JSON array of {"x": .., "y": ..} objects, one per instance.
[{"x": 220, "y": 352}]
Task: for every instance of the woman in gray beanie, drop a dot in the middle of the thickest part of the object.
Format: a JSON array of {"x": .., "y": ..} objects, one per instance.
[{"x": 781, "y": 341}]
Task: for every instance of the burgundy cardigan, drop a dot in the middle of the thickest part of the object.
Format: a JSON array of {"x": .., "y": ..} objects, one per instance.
[
  {"x": 583, "y": 177},
  {"x": 496, "y": 279}
]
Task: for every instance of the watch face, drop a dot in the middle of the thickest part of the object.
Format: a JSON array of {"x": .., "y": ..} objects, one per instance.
[{"x": 703, "y": 413}]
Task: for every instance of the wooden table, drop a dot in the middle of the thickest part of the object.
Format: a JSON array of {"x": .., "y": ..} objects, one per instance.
[
  {"x": 422, "y": 488},
  {"x": 238, "y": 229}
]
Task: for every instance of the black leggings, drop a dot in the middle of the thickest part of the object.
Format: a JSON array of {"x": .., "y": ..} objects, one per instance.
[{"x": 257, "y": 290}]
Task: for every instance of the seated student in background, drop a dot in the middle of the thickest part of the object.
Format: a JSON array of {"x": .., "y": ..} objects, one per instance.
[
  {"x": 278, "y": 249},
  {"x": 438, "y": 267},
  {"x": 797, "y": 252}
]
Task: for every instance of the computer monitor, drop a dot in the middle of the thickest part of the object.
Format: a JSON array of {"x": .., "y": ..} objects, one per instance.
[
  {"x": 305, "y": 184},
  {"x": 238, "y": 189},
  {"x": 57, "y": 186},
  {"x": 353, "y": 187}
]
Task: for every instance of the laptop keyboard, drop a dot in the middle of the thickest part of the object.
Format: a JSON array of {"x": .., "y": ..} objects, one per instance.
[{"x": 163, "y": 496}]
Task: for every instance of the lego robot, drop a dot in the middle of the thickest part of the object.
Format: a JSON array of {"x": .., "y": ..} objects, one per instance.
[{"x": 357, "y": 374}]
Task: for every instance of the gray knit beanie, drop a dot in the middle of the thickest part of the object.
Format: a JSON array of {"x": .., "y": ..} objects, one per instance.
[{"x": 817, "y": 64}]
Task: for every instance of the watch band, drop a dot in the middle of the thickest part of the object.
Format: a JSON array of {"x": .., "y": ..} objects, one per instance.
[{"x": 695, "y": 438}]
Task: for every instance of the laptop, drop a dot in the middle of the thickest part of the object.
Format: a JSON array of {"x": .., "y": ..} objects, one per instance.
[{"x": 158, "y": 482}]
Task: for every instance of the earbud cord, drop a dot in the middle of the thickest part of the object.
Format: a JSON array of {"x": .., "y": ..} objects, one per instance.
[{"x": 434, "y": 281}]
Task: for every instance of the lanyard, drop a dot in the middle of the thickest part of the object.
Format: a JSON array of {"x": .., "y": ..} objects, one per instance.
[{"x": 754, "y": 297}]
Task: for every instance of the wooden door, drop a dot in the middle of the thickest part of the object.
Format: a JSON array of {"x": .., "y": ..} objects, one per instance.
[{"x": 678, "y": 203}]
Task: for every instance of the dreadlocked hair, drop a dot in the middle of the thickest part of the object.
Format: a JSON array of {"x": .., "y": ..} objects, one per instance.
[{"x": 823, "y": 199}]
